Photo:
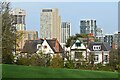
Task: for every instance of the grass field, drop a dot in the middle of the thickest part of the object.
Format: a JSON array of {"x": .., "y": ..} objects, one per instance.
[{"x": 15, "y": 71}]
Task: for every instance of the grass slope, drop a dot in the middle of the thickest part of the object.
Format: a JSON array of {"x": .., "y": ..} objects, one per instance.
[{"x": 15, "y": 71}]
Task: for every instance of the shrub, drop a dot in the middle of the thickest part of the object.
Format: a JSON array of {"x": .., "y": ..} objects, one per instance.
[
  {"x": 57, "y": 62},
  {"x": 69, "y": 65},
  {"x": 36, "y": 60},
  {"x": 23, "y": 61}
]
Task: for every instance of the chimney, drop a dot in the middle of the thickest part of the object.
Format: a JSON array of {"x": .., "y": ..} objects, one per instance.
[{"x": 57, "y": 46}]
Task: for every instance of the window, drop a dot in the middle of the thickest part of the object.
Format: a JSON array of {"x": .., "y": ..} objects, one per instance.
[
  {"x": 106, "y": 58},
  {"x": 38, "y": 46},
  {"x": 78, "y": 44},
  {"x": 47, "y": 10},
  {"x": 96, "y": 58},
  {"x": 29, "y": 36},
  {"x": 97, "y": 47},
  {"x": 45, "y": 47},
  {"x": 78, "y": 55}
]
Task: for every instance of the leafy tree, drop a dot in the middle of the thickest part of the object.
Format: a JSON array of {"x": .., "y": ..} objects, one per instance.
[
  {"x": 69, "y": 40},
  {"x": 113, "y": 57},
  {"x": 96, "y": 40},
  {"x": 45, "y": 57},
  {"x": 57, "y": 62},
  {"x": 91, "y": 58},
  {"x": 80, "y": 57},
  {"x": 69, "y": 64},
  {"x": 8, "y": 33},
  {"x": 36, "y": 60},
  {"x": 23, "y": 61},
  {"x": 82, "y": 35},
  {"x": 19, "y": 37},
  {"x": 77, "y": 36}
]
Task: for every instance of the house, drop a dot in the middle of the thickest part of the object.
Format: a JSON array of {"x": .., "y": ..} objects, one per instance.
[
  {"x": 47, "y": 46},
  {"x": 78, "y": 50},
  {"x": 32, "y": 46},
  {"x": 52, "y": 47},
  {"x": 101, "y": 52}
]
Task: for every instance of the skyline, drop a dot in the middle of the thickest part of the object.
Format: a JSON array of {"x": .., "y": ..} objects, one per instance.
[{"x": 73, "y": 13}]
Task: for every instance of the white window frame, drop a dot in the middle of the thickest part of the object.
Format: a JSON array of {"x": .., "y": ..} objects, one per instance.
[
  {"x": 39, "y": 46},
  {"x": 96, "y": 47},
  {"x": 96, "y": 58}
]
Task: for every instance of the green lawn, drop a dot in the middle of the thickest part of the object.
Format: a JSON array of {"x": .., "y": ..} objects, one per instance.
[{"x": 15, "y": 71}]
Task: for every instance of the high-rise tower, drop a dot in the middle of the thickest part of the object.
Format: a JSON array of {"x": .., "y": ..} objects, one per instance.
[
  {"x": 19, "y": 18},
  {"x": 50, "y": 23}
]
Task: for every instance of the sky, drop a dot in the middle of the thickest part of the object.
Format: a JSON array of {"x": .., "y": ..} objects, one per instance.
[{"x": 105, "y": 13}]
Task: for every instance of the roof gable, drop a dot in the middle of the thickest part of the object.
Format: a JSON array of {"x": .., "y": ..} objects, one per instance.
[
  {"x": 55, "y": 45},
  {"x": 48, "y": 47},
  {"x": 78, "y": 45}
]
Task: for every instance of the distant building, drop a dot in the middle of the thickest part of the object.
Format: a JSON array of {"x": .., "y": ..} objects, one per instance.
[
  {"x": 88, "y": 26},
  {"x": 116, "y": 40},
  {"x": 109, "y": 39},
  {"x": 26, "y": 35},
  {"x": 65, "y": 31},
  {"x": 19, "y": 18},
  {"x": 99, "y": 34},
  {"x": 50, "y": 23}
]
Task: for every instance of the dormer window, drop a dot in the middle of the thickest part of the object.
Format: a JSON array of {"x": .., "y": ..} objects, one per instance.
[
  {"x": 78, "y": 44},
  {"x": 97, "y": 47}
]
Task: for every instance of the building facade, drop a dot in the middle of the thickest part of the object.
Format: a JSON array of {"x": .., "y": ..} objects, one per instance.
[
  {"x": 19, "y": 18},
  {"x": 65, "y": 31},
  {"x": 88, "y": 26},
  {"x": 99, "y": 34},
  {"x": 26, "y": 35},
  {"x": 116, "y": 39},
  {"x": 50, "y": 23},
  {"x": 109, "y": 39}
]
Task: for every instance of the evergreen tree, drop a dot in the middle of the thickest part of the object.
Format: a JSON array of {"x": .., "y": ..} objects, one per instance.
[{"x": 8, "y": 33}]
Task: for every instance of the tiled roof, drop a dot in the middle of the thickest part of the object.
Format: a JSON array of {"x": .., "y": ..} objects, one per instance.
[
  {"x": 53, "y": 44},
  {"x": 105, "y": 46},
  {"x": 31, "y": 46}
]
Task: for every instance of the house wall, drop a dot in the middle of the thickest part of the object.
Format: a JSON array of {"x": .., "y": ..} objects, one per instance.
[
  {"x": 48, "y": 49},
  {"x": 75, "y": 48},
  {"x": 73, "y": 55},
  {"x": 99, "y": 53}
]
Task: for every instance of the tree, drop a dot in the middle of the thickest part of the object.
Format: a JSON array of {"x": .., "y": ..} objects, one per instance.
[
  {"x": 80, "y": 56},
  {"x": 8, "y": 33},
  {"x": 19, "y": 38},
  {"x": 23, "y": 61},
  {"x": 36, "y": 60},
  {"x": 77, "y": 36},
  {"x": 115, "y": 58},
  {"x": 91, "y": 58},
  {"x": 57, "y": 62},
  {"x": 69, "y": 40}
]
